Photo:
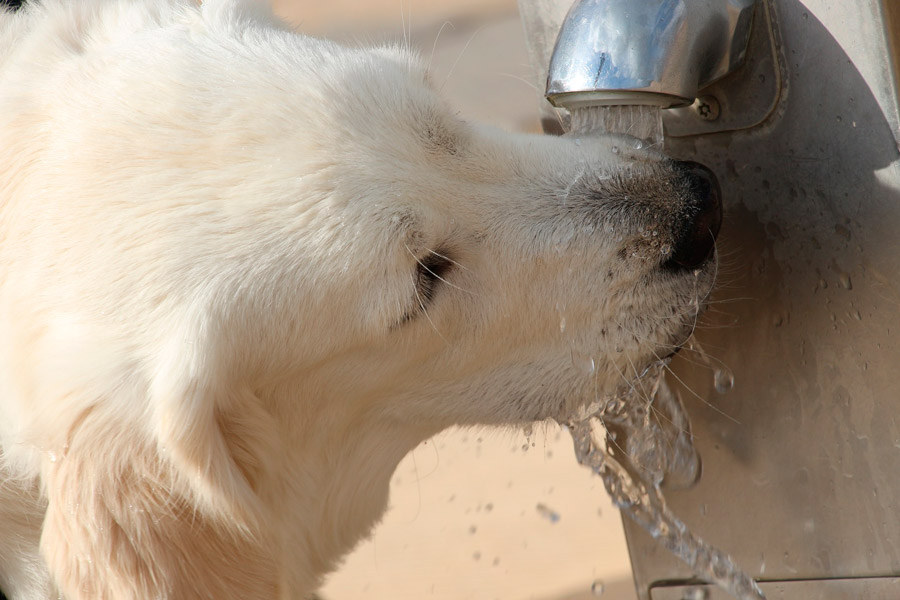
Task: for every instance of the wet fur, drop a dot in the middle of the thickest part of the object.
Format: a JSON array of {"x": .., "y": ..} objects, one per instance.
[{"x": 218, "y": 335}]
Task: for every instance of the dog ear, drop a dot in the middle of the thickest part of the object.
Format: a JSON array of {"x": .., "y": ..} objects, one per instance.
[
  {"x": 169, "y": 507},
  {"x": 119, "y": 524},
  {"x": 215, "y": 434}
]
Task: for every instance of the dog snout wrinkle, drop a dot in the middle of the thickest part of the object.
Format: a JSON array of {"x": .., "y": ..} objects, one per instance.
[{"x": 696, "y": 237}]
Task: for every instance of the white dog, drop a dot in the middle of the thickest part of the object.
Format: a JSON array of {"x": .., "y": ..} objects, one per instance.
[{"x": 244, "y": 271}]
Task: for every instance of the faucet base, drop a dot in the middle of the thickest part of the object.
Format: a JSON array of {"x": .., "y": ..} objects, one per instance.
[{"x": 575, "y": 100}]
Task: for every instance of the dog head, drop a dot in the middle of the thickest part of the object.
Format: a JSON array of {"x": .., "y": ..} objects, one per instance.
[
  {"x": 312, "y": 213},
  {"x": 467, "y": 275}
]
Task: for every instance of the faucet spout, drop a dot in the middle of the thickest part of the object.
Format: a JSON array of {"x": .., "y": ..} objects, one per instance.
[{"x": 645, "y": 52}]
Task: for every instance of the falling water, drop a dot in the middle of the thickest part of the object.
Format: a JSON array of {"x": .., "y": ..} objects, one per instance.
[
  {"x": 649, "y": 444},
  {"x": 642, "y": 122},
  {"x": 640, "y": 439}
]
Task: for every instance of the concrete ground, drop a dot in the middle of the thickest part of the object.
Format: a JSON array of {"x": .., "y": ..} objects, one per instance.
[{"x": 480, "y": 515}]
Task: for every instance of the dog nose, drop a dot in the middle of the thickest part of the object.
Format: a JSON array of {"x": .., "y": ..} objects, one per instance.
[{"x": 696, "y": 238}]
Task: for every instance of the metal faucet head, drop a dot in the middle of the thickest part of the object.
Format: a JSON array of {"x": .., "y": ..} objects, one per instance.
[{"x": 645, "y": 52}]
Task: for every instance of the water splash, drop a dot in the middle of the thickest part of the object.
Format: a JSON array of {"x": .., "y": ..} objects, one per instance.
[
  {"x": 642, "y": 122},
  {"x": 649, "y": 444}
]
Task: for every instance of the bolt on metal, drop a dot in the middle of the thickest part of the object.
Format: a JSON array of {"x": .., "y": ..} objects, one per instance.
[{"x": 707, "y": 108}]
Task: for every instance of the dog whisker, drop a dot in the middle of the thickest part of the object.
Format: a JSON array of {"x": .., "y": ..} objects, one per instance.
[
  {"x": 424, "y": 310},
  {"x": 437, "y": 275},
  {"x": 438, "y": 254},
  {"x": 518, "y": 78},
  {"x": 701, "y": 398},
  {"x": 461, "y": 52},
  {"x": 434, "y": 45}
]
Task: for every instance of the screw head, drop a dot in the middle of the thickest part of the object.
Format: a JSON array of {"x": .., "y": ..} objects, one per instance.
[{"x": 707, "y": 108}]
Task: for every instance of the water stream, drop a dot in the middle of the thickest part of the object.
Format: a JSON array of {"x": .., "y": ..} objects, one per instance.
[
  {"x": 642, "y": 122},
  {"x": 640, "y": 440}
]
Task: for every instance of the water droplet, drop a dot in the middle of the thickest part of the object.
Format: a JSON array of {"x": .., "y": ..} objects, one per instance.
[
  {"x": 562, "y": 325},
  {"x": 528, "y": 430},
  {"x": 52, "y": 455},
  {"x": 665, "y": 249},
  {"x": 583, "y": 362},
  {"x": 597, "y": 588},
  {"x": 857, "y": 316},
  {"x": 614, "y": 150},
  {"x": 846, "y": 282},
  {"x": 547, "y": 512},
  {"x": 476, "y": 556},
  {"x": 577, "y": 141},
  {"x": 724, "y": 380}
]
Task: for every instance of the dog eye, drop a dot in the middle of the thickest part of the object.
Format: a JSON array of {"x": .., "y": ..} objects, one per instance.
[{"x": 431, "y": 270}]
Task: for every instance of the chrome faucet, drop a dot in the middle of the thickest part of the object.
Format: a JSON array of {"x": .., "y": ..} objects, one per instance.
[{"x": 645, "y": 52}]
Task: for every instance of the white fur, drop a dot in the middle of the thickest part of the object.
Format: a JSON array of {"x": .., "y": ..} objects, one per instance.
[{"x": 213, "y": 353}]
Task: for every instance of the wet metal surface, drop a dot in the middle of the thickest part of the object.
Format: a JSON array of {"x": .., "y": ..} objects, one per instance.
[
  {"x": 802, "y": 481},
  {"x": 801, "y": 459}
]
